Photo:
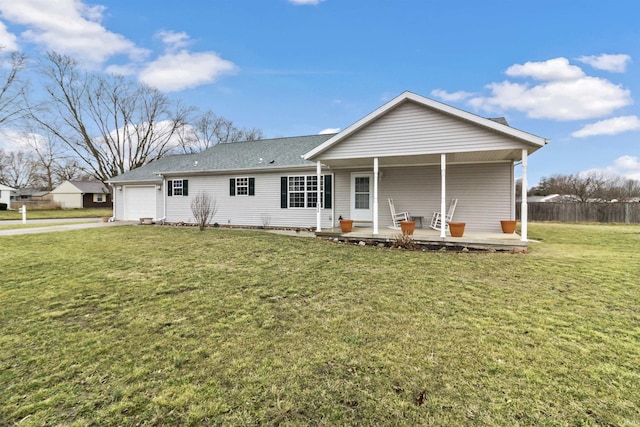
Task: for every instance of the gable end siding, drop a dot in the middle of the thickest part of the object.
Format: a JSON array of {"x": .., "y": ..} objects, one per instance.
[{"x": 411, "y": 129}]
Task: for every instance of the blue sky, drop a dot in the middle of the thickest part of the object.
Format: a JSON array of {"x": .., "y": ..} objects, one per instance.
[{"x": 564, "y": 70}]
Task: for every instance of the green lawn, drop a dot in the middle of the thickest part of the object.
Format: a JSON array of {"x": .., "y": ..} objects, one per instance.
[
  {"x": 57, "y": 213},
  {"x": 172, "y": 326}
]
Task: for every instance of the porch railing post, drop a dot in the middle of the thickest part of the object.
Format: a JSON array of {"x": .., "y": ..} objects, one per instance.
[
  {"x": 375, "y": 196},
  {"x": 443, "y": 194},
  {"x": 319, "y": 198},
  {"x": 524, "y": 208}
]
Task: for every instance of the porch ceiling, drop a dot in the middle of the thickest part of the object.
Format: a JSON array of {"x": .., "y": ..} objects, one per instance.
[{"x": 428, "y": 159}]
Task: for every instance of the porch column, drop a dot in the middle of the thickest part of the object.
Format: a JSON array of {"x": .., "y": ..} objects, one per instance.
[
  {"x": 375, "y": 196},
  {"x": 443, "y": 195},
  {"x": 319, "y": 198},
  {"x": 523, "y": 206}
]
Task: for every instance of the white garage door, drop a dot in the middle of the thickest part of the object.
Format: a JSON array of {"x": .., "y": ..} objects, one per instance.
[{"x": 140, "y": 202}]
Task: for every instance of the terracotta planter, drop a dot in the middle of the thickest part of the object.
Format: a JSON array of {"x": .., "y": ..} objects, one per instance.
[
  {"x": 508, "y": 226},
  {"x": 346, "y": 225},
  {"x": 456, "y": 229},
  {"x": 407, "y": 227}
]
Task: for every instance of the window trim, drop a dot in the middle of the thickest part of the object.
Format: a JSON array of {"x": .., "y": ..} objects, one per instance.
[
  {"x": 305, "y": 191},
  {"x": 171, "y": 187},
  {"x": 250, "y": 186}
]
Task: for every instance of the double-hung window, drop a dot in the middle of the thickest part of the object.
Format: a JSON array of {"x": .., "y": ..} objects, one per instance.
[
  {"x": 178, "y": 187},
  {"x": 303, "y": 191},
  {"x": 242, "y": 186}
]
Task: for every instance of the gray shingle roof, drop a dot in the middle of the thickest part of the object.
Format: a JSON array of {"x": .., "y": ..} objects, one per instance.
[
  {"x": 235, "y": 156},
  {"x": 90, "y": 186}
]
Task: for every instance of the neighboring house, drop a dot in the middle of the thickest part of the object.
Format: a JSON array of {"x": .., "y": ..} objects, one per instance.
[
  {"x": 7, "y": 194},
  {"x": 81, "y": 194},
  {"x": 543, "y": 199},
  {"x": 415, "y": 150},
  {"x": 31, "y": 195}
]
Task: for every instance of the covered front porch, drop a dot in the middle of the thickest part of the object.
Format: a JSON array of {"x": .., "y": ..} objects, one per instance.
[{"x": 430, "y": 239}]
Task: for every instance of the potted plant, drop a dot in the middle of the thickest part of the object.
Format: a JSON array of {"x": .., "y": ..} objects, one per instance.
[
  {"x": 456, "y": 228},
  {"x": 346, "y": 225},
  {"x": 508, "y": 226},
  {"x": 407, "y": 227}
]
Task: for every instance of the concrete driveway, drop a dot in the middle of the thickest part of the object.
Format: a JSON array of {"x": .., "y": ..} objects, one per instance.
[{"x": 60, "y": 225}]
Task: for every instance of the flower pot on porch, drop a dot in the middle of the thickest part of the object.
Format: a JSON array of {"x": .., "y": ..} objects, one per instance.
[
  {"x": 456, "y": 229},
  {"x": 346, "y": 225},
  {"x": 508, "y": 226},
  {"x": 407, "y": 227}
]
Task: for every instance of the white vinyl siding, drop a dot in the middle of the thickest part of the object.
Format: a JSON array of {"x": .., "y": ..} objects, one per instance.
[
  {"x": 484, "y": 193},
  {"x": 256, "y": 210},
  {"x": 411, "y": 129}
]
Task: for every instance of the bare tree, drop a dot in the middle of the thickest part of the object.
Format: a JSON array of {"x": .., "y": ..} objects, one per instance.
[
  {"x": 111, "y": 123},
  {"x": 204, "y": 208},
  {"x": 12, "y": 89},
  {"x": 208, "y": 129},
  {"x": 588, "y": 186},
  {"x": 18, "y": 169}
]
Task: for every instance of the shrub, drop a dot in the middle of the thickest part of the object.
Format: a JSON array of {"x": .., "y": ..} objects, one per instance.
[
  {"x": 404, "y": 241},
  {"x": 3, "y": 206},
  {"x": 203, "y": 208}
]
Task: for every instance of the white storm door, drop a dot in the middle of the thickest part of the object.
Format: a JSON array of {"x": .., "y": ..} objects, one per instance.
[{"x": 362, "y": 196}]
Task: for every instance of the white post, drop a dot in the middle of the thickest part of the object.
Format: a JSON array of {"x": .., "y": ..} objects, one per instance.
[
  {"x": 319, "y": 198},
  {"x": 523, "y": 206},
  {"x": 375, "y": 196},
  {"x": 443, "y": 194},
  {"x": 23, "y": 209}
]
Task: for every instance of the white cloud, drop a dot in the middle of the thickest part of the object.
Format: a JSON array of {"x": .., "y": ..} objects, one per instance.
[
  {"x": 8, "y": 41},
  {"x": 608, "y": 62},
  {"x": 305, "y": 2},
  {"x": 451, "y": 97},
  {"x": 612, "y": 126},
  {"x": 18, "y": 140},
  {"x": 551, "y": 70},
  {"x": 175, "y": 71},
  {"x": 173, "y": 40},
  {"x": 329, "y": 131},
  {"x": 179, "y": 69},
  {"x": 564, "y": 93},
  {"x": 626, "y": 166},
  {"x": 70, "y": 27}
]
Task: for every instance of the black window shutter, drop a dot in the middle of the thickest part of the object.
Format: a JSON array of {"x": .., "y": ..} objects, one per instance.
[
  {"x": 283, "y": 192},
  {"x": 169, "y": 188},
  {"x": 327, "y": 192},
  {"x": 252, "y": 186},
  {"x": 185, "y": 187},
  {"x": 232, "y": 187}
]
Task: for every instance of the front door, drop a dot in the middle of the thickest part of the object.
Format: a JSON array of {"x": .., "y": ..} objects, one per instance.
[{"x": 362, "y": 196}]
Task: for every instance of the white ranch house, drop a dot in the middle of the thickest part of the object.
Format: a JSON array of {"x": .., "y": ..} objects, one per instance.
[
  {"x": 420, "y": 152},
  {"x": 6, "y": 195}
]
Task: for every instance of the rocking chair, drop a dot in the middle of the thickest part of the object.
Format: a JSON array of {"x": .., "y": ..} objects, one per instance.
[
  {"x": 396, "y": 217},
  {"x": 436, "y": 219}
]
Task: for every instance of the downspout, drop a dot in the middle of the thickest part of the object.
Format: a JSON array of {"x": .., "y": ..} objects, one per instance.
[
  {"x": 113, "y": 200},
  {"x": 524, "y": 206},
  {"x": 164, "y": 201},
  {"x": 443, "y": 195}
]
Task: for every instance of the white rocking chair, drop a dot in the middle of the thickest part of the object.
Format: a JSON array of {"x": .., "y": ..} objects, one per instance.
[
  {"x": 436, "y": 219},
  {"x": 396, "y": 217}
]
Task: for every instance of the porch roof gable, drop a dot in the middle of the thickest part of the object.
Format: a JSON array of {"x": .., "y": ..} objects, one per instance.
[{"x": 525, "y": 138}]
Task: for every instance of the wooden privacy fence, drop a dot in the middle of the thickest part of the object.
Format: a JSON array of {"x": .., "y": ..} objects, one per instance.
[{"x": 626, "y": 213}]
